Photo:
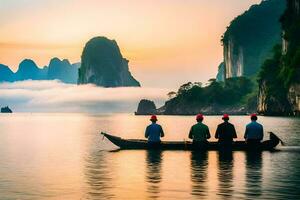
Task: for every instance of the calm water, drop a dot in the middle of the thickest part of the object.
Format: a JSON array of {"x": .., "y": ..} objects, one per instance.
[{"x": 62, "y": 156}]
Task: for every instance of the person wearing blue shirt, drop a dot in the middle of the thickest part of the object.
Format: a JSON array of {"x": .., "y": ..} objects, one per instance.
[
  {"x": 154, "y": 131},
  {"x": 254, "y": 132}
]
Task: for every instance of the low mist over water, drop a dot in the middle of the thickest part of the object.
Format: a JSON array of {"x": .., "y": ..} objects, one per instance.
[{"x": 55, "y": 96}]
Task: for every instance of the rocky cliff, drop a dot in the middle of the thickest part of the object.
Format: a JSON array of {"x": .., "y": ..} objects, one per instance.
[
  {"x": 250, "y": 37},
  {"x": 221, "y": 72},
  {"x": 6, "y": 109},
  {"x": 62, "y": 70},
  {"x": 294, "y": 98},
  {"x": 272, "y": 101},
  {"x": 6, "y": 74},
  {"x": 28, "y": 70},
  {"x": 146, "y": 107},
  {"x": 102, "y": 64},
  {"x": 279, "y": 79}
]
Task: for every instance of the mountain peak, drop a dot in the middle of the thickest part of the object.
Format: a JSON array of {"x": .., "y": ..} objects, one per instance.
[
  {"x": 27, "y": 64},
  {"x": 59, "y": 69},
  {"x": 103, "y": 64}
]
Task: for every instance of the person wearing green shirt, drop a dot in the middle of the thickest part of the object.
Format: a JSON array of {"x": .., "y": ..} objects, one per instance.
[{"x": 199, "y": 133}]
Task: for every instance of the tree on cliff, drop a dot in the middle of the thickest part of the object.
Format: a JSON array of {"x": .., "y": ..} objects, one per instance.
[
  {"x": 192, "y": 97},
  {"x": 171, "y": 94}
]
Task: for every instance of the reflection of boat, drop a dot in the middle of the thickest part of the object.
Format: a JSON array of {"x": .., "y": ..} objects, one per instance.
[{"x": 168, "y": 145}]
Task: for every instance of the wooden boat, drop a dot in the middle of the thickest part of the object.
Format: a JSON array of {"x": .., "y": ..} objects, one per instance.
[{"x": 186, "y": 145}]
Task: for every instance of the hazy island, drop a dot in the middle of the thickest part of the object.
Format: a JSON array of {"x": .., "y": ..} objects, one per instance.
[
  {"x": 6, "y": 109},
  {"x": 146, "y": 107}
]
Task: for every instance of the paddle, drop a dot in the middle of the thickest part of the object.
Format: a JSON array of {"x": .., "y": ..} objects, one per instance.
[{"x": 274, "y": 135}]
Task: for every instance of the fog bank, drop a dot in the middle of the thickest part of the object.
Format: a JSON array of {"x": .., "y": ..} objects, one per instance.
[{"x": 55, "y": 96}]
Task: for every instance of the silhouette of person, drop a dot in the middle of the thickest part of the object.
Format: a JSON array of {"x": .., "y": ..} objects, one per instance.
[
  {"x": 154, "y": 132},
  {"x": 225, "y": 133},
  {"x": 199, "y": 133}
]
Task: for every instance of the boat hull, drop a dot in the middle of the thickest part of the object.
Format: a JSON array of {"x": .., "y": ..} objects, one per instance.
[{"x": 211, "y": 146}]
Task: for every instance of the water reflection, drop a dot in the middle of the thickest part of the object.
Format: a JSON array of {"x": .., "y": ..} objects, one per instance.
[
  {"x": 254, "y": 174},
  {"x": 199, "y": 164},
  {"x": 98, "y": 176},
  {"x": 57, "y": 156},
  {"x": 225, "y": 174},
  {"x": 153, "y": 173}
]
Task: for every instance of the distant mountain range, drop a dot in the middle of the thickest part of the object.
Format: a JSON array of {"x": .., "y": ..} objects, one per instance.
[
  {"x": 101, "y": 64},
  {"x": 58, "y": 69}
]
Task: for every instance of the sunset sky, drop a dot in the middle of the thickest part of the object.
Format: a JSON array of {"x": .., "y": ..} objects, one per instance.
[{"x": 168, "y": 42}]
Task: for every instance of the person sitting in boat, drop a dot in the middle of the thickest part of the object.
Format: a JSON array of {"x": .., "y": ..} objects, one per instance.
[
  {"x": 225, "y": 132},
  {"x": 254, "y": 132},
  {"x": 154, "y": 131},
  {"x": 199, "y": 133}
]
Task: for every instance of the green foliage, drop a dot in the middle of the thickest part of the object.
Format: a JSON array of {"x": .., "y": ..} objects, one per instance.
[
  {"x": 193, "y": 95},
  {"x": 269, "y": 76},
  {"x": 284, "y": 69},
  {"x": 256, "y": 23},
  {"x": 290, "y": 66},
  {"x": 250, "y": 101},
  {"x": 171, "y": 94},
  {"x": 269, "y": 70},
  {"x": 255, "y": 32}
]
